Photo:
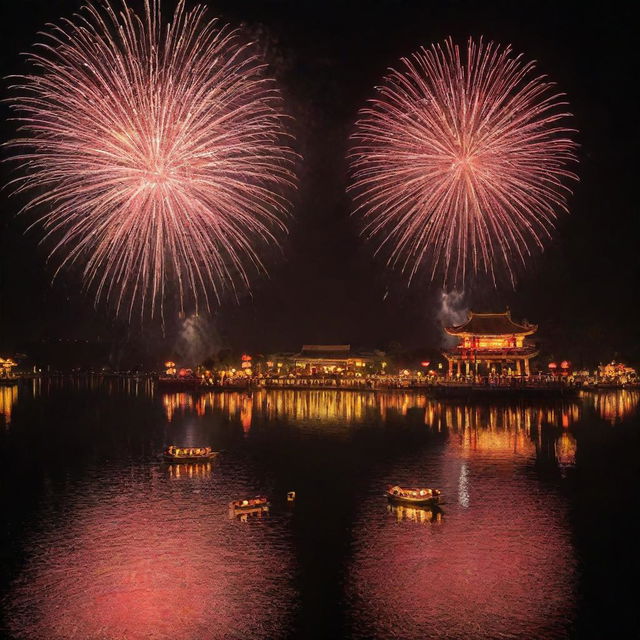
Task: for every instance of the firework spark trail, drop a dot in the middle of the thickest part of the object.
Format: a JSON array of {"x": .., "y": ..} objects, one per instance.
[
  {"x": 153, "y": 153},
  {"x": 459, "y": 163}
]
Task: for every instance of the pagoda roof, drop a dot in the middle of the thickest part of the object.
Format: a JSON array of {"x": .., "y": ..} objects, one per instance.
[{"x": 491, "y": 324}]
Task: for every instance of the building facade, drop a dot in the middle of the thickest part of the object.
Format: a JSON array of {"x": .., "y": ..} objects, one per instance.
[{"x": 334, "y": 358}]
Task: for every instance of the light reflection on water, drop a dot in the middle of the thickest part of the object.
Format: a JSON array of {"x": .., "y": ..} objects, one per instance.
[
  {"x": 8, "y": 397},
  {"x": 500, "y": 563},
  {"x": 615, "y": 406},
  {"x": 125, "y": 547},
  {"x": 503, "y": 567}
]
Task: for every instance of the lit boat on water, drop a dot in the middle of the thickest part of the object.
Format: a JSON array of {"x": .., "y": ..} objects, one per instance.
[
  {"x": 415, "y": 496},
  {"x": 188, "y": 454},
  {"x": 250, "y": 504}
]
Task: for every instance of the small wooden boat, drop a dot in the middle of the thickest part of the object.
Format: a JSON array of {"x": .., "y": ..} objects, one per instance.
[
  {"x": 188, "y": 454},
  {"x": 415, "y": 496},
  {"x": 250, "y": 504}
]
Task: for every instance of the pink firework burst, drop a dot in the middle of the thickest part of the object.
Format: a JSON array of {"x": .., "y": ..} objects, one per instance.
[
  {"x": 460, "y": 163},
  {"x": 153, "y": 153}
]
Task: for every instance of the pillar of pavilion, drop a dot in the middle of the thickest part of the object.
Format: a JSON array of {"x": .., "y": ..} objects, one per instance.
[{"x": 491, "y": 343}]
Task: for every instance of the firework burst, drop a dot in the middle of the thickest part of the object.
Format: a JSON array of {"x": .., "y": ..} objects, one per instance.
[
  {"x": 153, "y": 153},
  {"x": 460, "y": 163}
]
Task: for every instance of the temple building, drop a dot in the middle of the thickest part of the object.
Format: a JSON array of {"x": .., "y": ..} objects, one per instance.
[{"x": 491, "y": 343}]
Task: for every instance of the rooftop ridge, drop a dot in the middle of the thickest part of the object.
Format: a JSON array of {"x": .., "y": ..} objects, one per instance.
[
  {"x": 491, "y": 324},
  {"x": 326, "y": 347}
]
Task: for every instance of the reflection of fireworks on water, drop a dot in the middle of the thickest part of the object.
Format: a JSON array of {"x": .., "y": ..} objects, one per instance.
[
  {"x": 156, "y": 151},
  {"x": 459, "y": 162},
  {"x": 155, "y": 560}
]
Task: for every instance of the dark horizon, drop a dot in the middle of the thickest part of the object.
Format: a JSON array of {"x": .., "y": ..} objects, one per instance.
[{"x": 326, "y": 287}]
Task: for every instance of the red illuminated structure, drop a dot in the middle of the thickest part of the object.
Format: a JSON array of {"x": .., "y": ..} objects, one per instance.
[{"x": 491, "y": 343}]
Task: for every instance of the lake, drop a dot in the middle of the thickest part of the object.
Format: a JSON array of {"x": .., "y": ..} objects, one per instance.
[{"x": 100, "y": 540}]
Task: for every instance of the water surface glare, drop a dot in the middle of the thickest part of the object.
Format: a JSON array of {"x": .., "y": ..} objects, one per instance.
[{"x": 103, "y": 541}]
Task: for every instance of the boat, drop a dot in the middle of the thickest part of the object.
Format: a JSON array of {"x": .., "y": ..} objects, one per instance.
[
  {"x": 250, "y": 504},
  {"x": 188, "y": 454},
  {"x": 415, "y": 496}
]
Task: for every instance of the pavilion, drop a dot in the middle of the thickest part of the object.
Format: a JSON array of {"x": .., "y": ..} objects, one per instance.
[
  {"x": 491, "y": 343},
  {"x": 330, "y": 358}
]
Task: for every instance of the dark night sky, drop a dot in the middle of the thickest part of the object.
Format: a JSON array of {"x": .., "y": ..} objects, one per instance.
[{"x": 328, "y": 55}]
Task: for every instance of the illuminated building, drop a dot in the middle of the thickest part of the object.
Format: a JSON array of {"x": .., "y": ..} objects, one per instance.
[
  {"x": 489, "y": 341},
  {"x": 616, "y": 372},
  {"x": 329, "y": 358},
  {"x": 6, "y": 366}
]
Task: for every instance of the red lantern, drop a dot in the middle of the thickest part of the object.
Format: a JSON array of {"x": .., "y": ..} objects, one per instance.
[
  {"x": 564, "y": 364},
  {"x": 425, "y": 363},
  {"x": 553, "y": 365},
  {"x": 246, "y": 357}
]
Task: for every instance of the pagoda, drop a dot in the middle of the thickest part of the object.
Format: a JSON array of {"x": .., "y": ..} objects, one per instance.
[{"x": 491, "y": 343}]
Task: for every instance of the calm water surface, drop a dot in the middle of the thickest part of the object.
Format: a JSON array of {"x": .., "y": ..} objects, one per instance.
[{"x": 100, "y": 540}]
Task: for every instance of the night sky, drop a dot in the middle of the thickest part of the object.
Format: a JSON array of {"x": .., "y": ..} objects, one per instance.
[{"x": 326, "y": 287}]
